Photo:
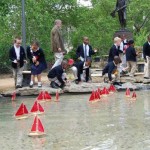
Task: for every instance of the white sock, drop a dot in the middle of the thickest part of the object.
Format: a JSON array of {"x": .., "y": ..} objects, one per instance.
[{"x": 31, "y": 82}]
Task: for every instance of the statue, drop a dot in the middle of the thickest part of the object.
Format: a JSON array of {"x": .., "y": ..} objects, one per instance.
[{"x": 121, "y": 9}]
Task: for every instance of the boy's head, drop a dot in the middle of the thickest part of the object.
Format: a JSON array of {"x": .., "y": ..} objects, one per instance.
[
  {"x": 117, "y": 60},
  {"x": 58, "y": 23},
  {"x": 131, "y": 42},
  {"x": 64, "y": 64},
  {"x": 17, "y": 41},
  {"x": 85, "y": 40},
  {"x": 88, "y": 61},
  {"x": 117, "y": 41},
  {"x": 34, "y": 45}
]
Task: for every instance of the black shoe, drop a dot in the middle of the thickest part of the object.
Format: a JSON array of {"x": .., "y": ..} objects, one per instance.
[
  {"x": 18, "y": 86},
  {"x": 31, "y": 86},
  {"x": 117, "y": 83},
  {"x": 54, "y": 85}
]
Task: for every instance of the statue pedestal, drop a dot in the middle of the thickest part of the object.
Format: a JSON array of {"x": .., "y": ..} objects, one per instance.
[{"x": 126, "y": 33}]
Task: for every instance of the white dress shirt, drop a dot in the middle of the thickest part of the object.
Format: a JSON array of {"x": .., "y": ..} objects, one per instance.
[
  {"x": 87, "y": 51},
  {"x": 17, "y": 50}
]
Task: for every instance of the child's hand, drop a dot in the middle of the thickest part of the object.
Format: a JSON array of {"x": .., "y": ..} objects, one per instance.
[
  {"x": 37, "y": 63},
  {"x": 34, "y": 59}
]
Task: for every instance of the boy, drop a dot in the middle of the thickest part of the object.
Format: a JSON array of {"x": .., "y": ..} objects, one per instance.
[
  {"x": 18, "y": 58},
  {"x": 111, "y": 71},
  {"x": 80, "y": 66},
  {"x": 131, "y": 58},
  {"x": 57, "y": 75}
]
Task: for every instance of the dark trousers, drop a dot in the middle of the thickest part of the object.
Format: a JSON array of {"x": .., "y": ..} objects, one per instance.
[{"x": 87, "y": 71}]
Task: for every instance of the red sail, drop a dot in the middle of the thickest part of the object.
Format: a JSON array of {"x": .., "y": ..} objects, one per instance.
[
  {"x": 41, "y": 96},
  {"x": 47, "y": 96},
  {"x": 40, "y": 108},
  {"x": 34, "y": 126},
  {"x": 57, "y": 96},
  {"x": 25, "y": 110},
  {"x": 92, "y": 97},
  {"x": 40, "y": 126},
  {"x": 105, "y": 91},
  {"x": 127, "y": 92},
  {"x": 20, "y": 111},
  {"x": 34, "y": 107},
  {"x": 13, "y": 96},
  {"x": 134, "y": 95}
]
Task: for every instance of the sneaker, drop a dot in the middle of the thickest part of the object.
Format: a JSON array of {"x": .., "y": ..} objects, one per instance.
[
  {"x": 39, "y": 84},
  {"x": 18, "y": 86}
]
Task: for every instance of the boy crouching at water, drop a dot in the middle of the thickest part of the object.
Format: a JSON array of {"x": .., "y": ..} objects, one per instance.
[
  {"x": 110, "y": 71},
  {"x": 57, "y": 75}
]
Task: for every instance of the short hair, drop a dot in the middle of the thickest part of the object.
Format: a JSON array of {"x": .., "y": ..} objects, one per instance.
[
  {"x": 131, "y": 42},
  {"x": 17, "y": 38},
  {"x": 35, "y": 42},
  {"x": 148, "y": 37},
  {"x": 64, "y": 62},
  {"x": 116, "y": 39},
  {"x": 89, "y": 59},
  {"x": 57, "y": 20},
  {"x": 84, "y": 37},
  {"x": 117, "y": 59}
]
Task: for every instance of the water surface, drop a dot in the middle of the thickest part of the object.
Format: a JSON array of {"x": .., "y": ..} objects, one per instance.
[{"x": 114, "y": 123}]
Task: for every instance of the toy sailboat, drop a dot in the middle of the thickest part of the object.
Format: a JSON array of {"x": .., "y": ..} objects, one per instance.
[
  {"x": 57, "y": 97},
  {"x": 47, "y": 96},
  {"x": 127, "y": 92},
  {"x": 92, "y": 97},
  {"x": 112, "y": 89},
  {"x": 37, "y": 128},
  {"x": 13, "y": 96},
  {"x": 40, "y": 97},
  {"x": 37, "y": 108},
  {"x": 134, "y": 96},
  {"x": 22, "y": 112},
  {"x": 105, "y": 91}
]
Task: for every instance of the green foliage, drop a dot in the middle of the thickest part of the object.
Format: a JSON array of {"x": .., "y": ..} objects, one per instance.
[{"x": 96, "y": 23}]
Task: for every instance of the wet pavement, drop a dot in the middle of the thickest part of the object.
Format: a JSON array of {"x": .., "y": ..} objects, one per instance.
[{"x": 114, "y": 123}]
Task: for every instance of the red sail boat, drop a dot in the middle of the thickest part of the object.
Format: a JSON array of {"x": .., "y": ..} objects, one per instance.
[
  {"x": 127, "y": 92},
  {"x": 37, "y": 128},
  {"x": 13, "y": 96},
  {"x": 22, "y": 112},
  {"x": 92, "y": 97},
  {"x": 47, "y": 96},
  {"x": 112, "y": 89},
  {"x": 57, "y": 97},
  {"x": 134, "y": 96},
  {"x": 37, "y": 108},
  {"x": 40, "y": 97},
  {"x": 105, "y": 91}
]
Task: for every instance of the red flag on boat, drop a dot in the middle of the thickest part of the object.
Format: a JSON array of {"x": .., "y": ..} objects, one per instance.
[
  {"x": 57, "y": 97},
  {"x": 13, "y": 96},
  {"x": 134, "y": 95},
  {"x": 92, "y": 97},
  {"x": 22, "y": 112},
  {"x": 47, "y": 96},
  {"x": 37, "y": 128},
  {"x": 41, "y": 96},
  {"x": 37, "y": 108},
  {"x": 127, "y": 92}
]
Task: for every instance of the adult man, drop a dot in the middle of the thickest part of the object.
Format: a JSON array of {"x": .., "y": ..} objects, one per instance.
[
  {"x": 57, "y": 43},
  {"x": 146, "y": 54},
  {"x": 110, "y": 71},
  {"x": 57, "y": 75},
  {"x": 83, "y": 51},
  {"x": 18, "y": 58},
  {"x": 131, "y": 58},
  {"x": 114, "y": 50}
]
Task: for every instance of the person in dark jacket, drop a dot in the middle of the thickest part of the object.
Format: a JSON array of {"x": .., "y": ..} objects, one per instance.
[
  {"x": 79, "y": 66},
  {"x": 38, "y": 63},
  {"x": 18, "y": 58},
  {"x": 131, "y": 58},
  {"x": 83, "y": 51},
  {"x": 110, "y": 71},
  {"x": 146, "y": 54},
  {"x": 114, "y": 50},
  {"x": 57, "y": 75}
]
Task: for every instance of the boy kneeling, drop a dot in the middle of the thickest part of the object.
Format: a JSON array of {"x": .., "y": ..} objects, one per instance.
[
  {"x": 110, "y": 71},
  {"x": 57, "y": 75}
]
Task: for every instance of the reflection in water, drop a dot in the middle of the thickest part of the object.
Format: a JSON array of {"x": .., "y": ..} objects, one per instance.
[{"x": 114, "y": 123}]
